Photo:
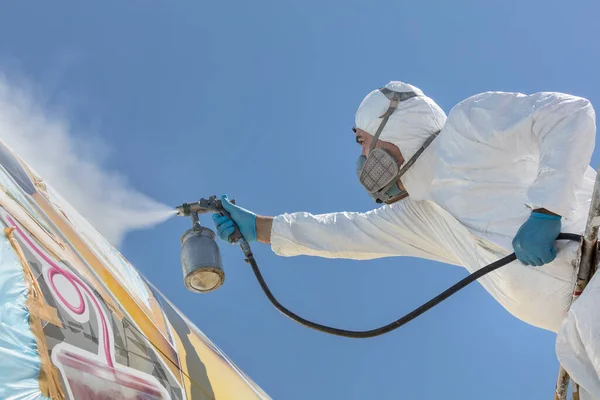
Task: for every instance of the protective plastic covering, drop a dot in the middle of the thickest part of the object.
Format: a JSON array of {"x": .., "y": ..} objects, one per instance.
[
  {"x": 77, "y": 321},
  {"x": 19, "y": 360},
  {"x": 498, "y": 156}
]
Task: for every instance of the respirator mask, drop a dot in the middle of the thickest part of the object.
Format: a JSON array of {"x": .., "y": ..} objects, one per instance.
[{"x": 379, "y": 172}]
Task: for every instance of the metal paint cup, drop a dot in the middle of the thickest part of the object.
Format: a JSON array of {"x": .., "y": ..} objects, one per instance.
[{"x": 201, "y": 260}]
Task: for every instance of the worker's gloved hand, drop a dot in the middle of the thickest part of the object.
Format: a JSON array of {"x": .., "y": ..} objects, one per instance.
[
  {"x": 244, "y": 219},
  {"x": 534, "y": 242}
]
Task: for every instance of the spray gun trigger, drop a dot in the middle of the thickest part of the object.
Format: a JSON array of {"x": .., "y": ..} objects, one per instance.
[{"x": 236, "y": 235}]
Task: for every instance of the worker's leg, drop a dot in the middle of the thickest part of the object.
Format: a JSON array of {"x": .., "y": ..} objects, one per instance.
[{"x": 578, "y": 341}]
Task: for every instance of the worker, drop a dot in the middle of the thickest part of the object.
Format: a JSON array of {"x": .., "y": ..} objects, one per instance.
[{"x": 503, "y": 173}]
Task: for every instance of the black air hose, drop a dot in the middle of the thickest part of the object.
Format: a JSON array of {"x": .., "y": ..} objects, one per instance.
[{"x": 405, "y": 319}]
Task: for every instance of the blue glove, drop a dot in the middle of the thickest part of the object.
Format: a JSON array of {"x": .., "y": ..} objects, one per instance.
[
  {"x": 534, "y": 242},
  {"x": 244, "y": 219}
]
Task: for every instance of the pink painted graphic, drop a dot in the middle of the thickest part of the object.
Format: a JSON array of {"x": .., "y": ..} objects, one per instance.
[
  {"x": 89, "y": 376},
  {"x": 92, "y": 380}
]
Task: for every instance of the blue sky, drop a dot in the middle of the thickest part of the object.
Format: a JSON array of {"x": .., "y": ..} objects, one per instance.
[{"x": 256, "y": 100}]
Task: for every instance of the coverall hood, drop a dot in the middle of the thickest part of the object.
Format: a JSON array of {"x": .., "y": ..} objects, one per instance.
[{"x": 409, "y": 126}]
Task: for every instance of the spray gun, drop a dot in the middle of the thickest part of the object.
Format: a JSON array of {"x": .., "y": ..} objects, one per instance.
[{"x": 200, "y": 255}]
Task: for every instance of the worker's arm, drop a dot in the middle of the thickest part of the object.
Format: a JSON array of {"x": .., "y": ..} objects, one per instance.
[
  {"x": 544, "y": 211},
  {"x": 264, "y": 225},
  {"x": 565, "y": 129},
  {"x": 406, "y": 228},
  {"x": 557, "y": 131},
  {"x": 553, "y": 132}
]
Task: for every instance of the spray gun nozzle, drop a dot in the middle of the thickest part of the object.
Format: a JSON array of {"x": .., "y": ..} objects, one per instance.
[
  {"x": 184, "y": 210},
  {"x": 187, "y": 209}
]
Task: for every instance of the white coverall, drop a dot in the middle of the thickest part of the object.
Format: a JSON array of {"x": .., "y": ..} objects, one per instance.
[{"x": 498, "y": 156}]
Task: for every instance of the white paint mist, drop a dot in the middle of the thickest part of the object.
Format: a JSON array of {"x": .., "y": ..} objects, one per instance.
[{"x": 73, "y": 166}]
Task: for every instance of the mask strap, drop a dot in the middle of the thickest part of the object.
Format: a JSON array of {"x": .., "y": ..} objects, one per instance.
[
  {"x": 410, "y": 162},
  {"x": 417, "y": 154},
  {"x": 395, "y": 99}
]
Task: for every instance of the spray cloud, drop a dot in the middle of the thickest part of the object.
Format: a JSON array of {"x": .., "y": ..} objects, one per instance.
[{"x": 74, "y": 166}]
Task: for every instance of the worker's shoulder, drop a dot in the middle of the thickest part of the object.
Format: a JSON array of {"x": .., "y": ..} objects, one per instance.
[
  {"x": 499, "y": 100},
  {"x": 507, "y": 95},
  {"x": 499, "y": 107}
]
